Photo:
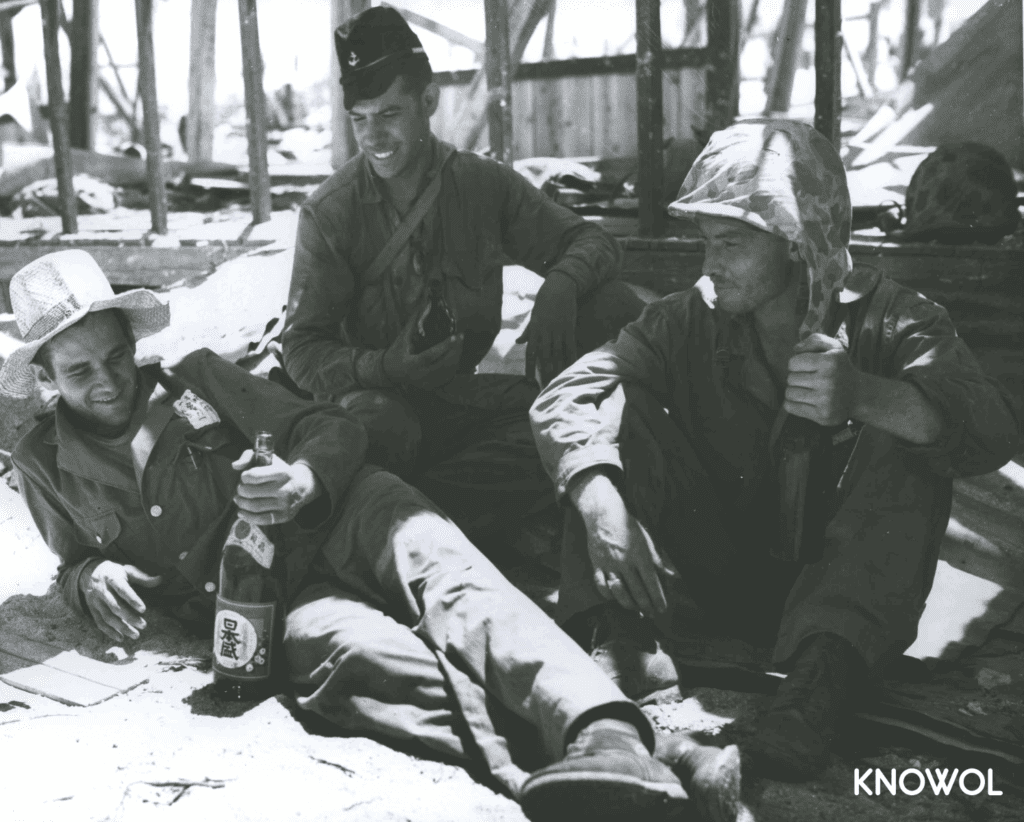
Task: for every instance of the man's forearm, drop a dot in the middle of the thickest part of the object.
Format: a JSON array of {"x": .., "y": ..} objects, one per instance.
[
  {"x": 897, "y": 407},
  {"x": 589, "y": 490}
]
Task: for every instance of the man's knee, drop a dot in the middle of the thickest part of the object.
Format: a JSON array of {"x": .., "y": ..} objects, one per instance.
[{"x": 391, "y": 425}]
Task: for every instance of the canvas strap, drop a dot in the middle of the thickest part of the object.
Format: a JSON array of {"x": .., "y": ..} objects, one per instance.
[{"x": 396, "y": 242}]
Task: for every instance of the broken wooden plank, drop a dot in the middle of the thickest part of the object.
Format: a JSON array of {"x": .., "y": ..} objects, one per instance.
[
  {"x": 121, "y": 677},
  {"x": 52, "y": 683}
]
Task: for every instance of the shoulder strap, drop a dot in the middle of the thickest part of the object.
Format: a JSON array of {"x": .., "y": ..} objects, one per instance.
[{"x": 408, "y": 225}]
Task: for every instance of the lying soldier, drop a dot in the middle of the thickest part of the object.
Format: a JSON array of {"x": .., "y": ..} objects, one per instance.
[
  {"x": 671, "y": 445},
  {"x": 396, "y": 625}
]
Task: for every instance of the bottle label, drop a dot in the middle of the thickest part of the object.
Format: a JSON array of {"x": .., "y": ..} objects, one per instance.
[
  {"x": 242, "y": 635},
  {"x": 252, "y": 540}
]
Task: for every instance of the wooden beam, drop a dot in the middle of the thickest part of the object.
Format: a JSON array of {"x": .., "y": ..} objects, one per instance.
[
  {"x": 11, "y": 5},
  {"x": 828, "y": 45},
  {"x": 650, "y": 125},
  {"x": 863, "y": 83},
  {"x": 582, "y": 67},
  {"x": 343, "y": 141},
  {"x": 7, "y": 47},
  {"x": 59, "y": 118},
  {"x": 788, "y": 47},
  {"x": 723, "y": 77},
  {"x": 125, "y": 97},
  {"x": 451, "y": 35},
  {"x": 120, "y": 104},
  {"x": 499, "y": 80},
  {"x": 84, "y": 40},
  {"x": 256, "y": 112},
  {"x": 202, "y": 80},
  {"x": 151, "y": 115}
]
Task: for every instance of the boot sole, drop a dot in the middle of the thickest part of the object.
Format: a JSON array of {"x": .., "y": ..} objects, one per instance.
[{"x": 563, "y": 797}]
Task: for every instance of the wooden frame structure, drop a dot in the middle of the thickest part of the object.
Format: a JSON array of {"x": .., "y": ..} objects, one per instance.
[
  {"x": 71, "y": 125},
  {"x": 720, "y": 57}
]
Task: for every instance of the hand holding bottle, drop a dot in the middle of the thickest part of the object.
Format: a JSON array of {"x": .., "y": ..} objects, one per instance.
[{"x": 273, "y": 494}]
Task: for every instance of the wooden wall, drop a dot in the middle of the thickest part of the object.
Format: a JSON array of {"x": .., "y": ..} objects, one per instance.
[{"x": 582, "y": 116}]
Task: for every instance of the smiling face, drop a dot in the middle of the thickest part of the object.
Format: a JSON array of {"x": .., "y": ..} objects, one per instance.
[
  {"x": 748, "y": 267},
  {"x": 92, "y": 365},
  {"x": 392, "y": 129}
]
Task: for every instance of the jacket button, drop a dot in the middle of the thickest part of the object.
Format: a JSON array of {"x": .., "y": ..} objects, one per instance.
[
  {"x": 210, "y": 587},
  {"x": 182, "y": 555},
  {"x": 156, "y": 511}
]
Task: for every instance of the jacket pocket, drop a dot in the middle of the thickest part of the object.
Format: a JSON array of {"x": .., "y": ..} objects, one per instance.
[{"x": 99, "y": 531}]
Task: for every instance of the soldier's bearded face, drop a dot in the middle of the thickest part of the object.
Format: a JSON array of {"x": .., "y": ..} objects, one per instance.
[{"x": 748, "y": 267}]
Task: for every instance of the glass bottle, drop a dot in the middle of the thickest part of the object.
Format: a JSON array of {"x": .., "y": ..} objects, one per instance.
[{"x": 244, "y": 634}]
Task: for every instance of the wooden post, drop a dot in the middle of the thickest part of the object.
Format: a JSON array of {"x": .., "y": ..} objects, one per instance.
[
  {"x": 59, "y": 118},
  {"x": 343, "y": 141},
  {"x": 828, "y": 44},
  {"x": 649, "y": 117},
  {"x": 498, "y": 66},
  {"x": 911, "y": 22},
  {"x": 256, "y": 112},
  {"x": 789, "y": 38},
  {"x": 84, "y": 28},
  {"x": 723, "y": 83},
  {"x": 202, "y": 80},
  {"x": 7, "y": 46},
  {"x": 151, "y": 116}
]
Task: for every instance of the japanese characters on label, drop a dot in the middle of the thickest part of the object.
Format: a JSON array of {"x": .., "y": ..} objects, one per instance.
[
  {"x": 241, "y": 640},
  {"x": 252, "y": 540}
]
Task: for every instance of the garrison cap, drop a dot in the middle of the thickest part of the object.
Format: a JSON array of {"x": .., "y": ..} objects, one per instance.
[{"x": 373, "y": 48}]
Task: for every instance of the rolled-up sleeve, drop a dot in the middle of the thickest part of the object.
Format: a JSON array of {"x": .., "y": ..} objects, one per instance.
[
  {"x": 327, "y": 438},
  {"x": 577, "y": 417},
  {"x": 317, "y": 353},
  {"x": 546, "y": 237},
  {"x": 980, "y": 422},
  {"x": 59, "y": 534}
]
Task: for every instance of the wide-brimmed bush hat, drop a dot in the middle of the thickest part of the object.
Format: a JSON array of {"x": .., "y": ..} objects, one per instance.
[{"x": 52, "y": 293}]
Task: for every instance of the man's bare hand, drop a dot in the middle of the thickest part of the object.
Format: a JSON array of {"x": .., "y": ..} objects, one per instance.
[
  {"x": 822, "y": 384},
  {"x": 429, "y": 369},
  {"x": 627, "y": 566},
  {"x": 115, "y": 607},
  {"x": 550, "y": 336},
  {"x": 275, "y": 493}
]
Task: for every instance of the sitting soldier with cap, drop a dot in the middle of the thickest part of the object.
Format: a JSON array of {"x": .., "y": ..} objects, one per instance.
[
  {"x": 395, "y": 624},
  {"x": 410, "y": 214}
]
